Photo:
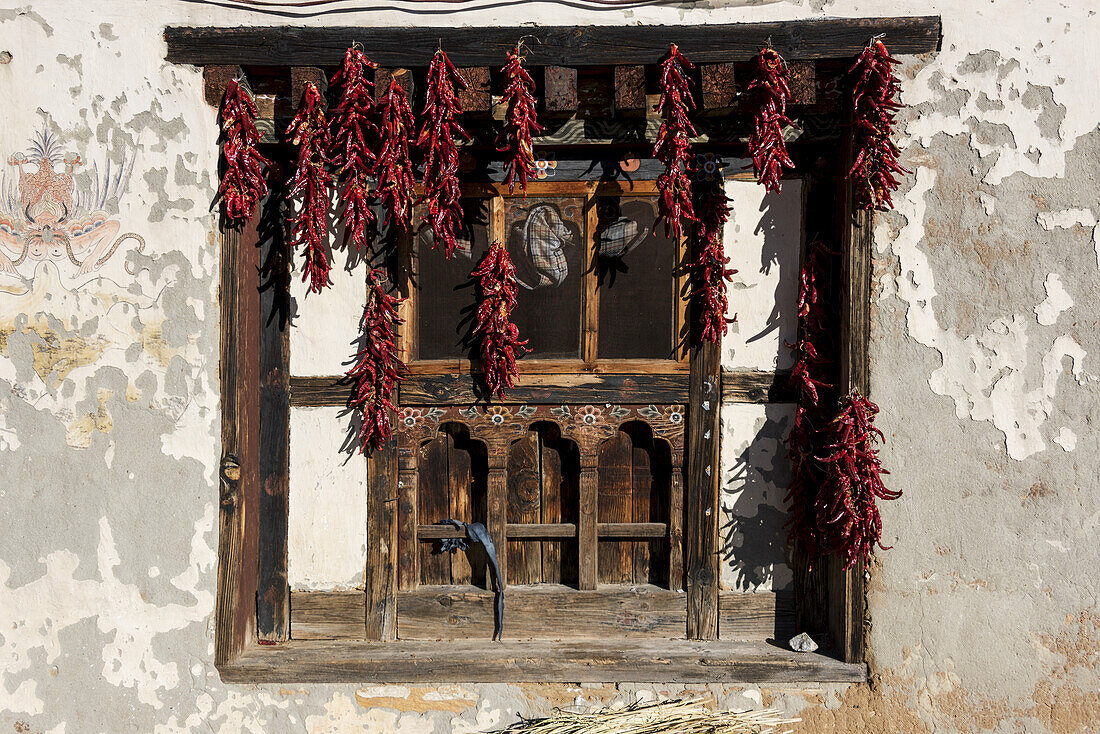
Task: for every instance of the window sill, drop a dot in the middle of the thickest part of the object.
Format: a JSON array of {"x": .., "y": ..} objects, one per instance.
[{"x": 478, "y": 661}]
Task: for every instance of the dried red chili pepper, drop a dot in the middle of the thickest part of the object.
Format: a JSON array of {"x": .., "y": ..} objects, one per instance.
[
  {"x": 874, "y": 103},
  {"x": 520, "y": 122},
  {"x": 353, "y": 136},
  {"x": 500, "y": 344},
  {"x": 848, "y": 511},
  {"x": 243, "y": 183},
  {"x": 394, "y": 169},
  {"x": 437, "y": 141},
  {"x": 673, "y": 146},
  {"x": 378, "y": 369},
  {"x": 709, "y": 269},
  {"x": 309, "y": 131},
  {"x": 769, "y": 92},
  {"x": 807, "y": 473}
]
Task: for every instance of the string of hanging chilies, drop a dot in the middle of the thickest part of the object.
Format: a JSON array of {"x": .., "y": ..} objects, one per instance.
[{"x": 365, "y": 149}]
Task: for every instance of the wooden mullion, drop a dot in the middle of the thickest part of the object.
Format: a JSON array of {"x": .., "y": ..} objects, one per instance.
[
  {"x": 273, "y": 334},
  {"x": 408, "y": 545},
  {"x": 590, "y": 332}
]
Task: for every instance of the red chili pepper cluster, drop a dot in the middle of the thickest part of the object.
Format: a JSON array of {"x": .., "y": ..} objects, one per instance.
[
  {"x": 521, "y": 121},
  {"x": 499, "y": 337},
  {"x": 848, "y": 513},
  {"x": 807, "y": 475},
  {"x": 874, "y": 101},
  {"x": 243, "y": 182},
  {"x": 377, "y": 369},
  {"x": 770, "y": 93},
  {"x": 709, "y": 270},
  {"x": 394, "y": 169},
  {"x": 673, "y": 146},
  {"x": 437, "y": 141},
  {"x": 353, "y": 137},
  {"x": 309, "y": 131}
]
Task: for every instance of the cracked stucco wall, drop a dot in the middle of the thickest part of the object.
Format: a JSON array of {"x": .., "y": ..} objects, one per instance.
[{"x": 986, "y": 283}]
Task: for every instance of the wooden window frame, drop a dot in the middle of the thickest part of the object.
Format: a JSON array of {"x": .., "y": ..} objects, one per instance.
[{"x": 253, "y": 599}]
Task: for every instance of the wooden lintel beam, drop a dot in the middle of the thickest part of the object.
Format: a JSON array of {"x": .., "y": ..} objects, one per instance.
[{"x": 559, "y": 45}]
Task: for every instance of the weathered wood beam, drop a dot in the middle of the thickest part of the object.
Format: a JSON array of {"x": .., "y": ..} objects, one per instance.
[
  {"x": 477, "y": 96},
  {"x": 471, "y": 661},
  {"x": 559, "y": 89},
  {"x": 559, "y": 45},
  {"x": 630, "y": 89}
]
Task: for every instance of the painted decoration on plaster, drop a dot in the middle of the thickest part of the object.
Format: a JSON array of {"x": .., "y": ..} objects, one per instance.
[{"x": 46, "y": 214}]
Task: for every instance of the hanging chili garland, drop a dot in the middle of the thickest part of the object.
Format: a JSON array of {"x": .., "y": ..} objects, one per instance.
[
  {"x": 243, "y": 183},
  {"x": 849, "y": 516},
  {"x": 875, "y": 102},
  {"x": 497, "y": 335},
  {"x": 437, "y": 141},
  {"x": 309, "y": 131},
  {"x": 520, "y": 122},
  {"x": 673, "y": 146},
  {"x": 770, "y": 93},
  {"x": 394, "y": 169},
  {"x": 353, "y": 137},
  {"x": 378, "y": 368},
  {"x": 709, "y": 269},
  {"x": 807, "y": 475}
]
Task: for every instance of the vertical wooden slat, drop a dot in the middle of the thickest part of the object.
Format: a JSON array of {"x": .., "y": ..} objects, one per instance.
[
  {"x": 459, "y": 504},
  {"x": 381, "y": 600},
  {"x": 719, "y": 86},
  {"x": 408, "y": 547},
  {"x": 551, "y": 510},
  {"x": 587, "y": 552},
  {"x": 641, "y": 496},
  {"x": 676, "y": 523},
  {"x": 614, "y": 504},
  {"x": 560, "y": 89},
  {"x": 433, "y": 505},
  {"x": 497, "y": 508},
  {"x": 590, "y": 325},
  {"x": 524, "y": 500},
  {"x": 701, "y": 514},
  {"x": 238, "y": 500},
  {"x": 273, "y": 593},
  {"x": 630, "y": 89},
  {"x": 477, "y": 96}
]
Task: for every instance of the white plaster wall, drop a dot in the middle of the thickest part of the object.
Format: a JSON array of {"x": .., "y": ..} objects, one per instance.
[{"x": 987, "y": 281}]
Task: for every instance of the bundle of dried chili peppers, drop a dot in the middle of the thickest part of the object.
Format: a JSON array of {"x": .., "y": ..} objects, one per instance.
[
  {"x": 875, "y": 102},
  {"x": 769, "y": 92},
  {"x": 394, "y": 169},
  {"x": 354, "y": 135},
  {"x": 309, "y": 131},
  {"x": 673, "y": 146},
  {"x": 807, "y": 473},
  {"x": 378, "y": 368},
  {"x": 243, "y": 182},
  {"x": 437, "y": 141},
  {"x": 500, "y": 344},
  {"x": 848, "y": 514},
  {"x": 709, "y": 270},
  {"x": 521, "y": 122}
]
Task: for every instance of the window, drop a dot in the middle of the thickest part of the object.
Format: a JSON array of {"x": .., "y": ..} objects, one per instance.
[{"x": 596, "y": 478}]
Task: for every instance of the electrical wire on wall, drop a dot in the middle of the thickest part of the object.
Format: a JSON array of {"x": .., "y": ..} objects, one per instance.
[{"x": 308, "y": 8}]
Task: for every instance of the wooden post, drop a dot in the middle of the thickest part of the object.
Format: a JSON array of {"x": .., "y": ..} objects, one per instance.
[
  {"x": 408, "y": 545},
  {"x": 381, "y": 577},
  {"x": 701, "y": 515},
  {"x": 676, "y": 523},
  {"x": 497, "y": 511},
  {"x": 587, "y": 544},
  {"x": 238, "y": 502}
]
